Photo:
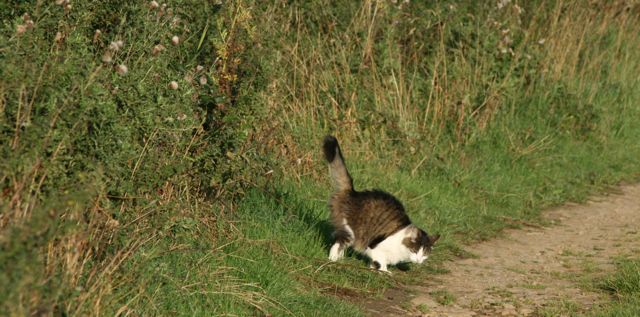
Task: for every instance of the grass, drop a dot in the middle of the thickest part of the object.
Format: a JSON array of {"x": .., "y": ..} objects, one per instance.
[
  {"x": 423, "y": 308},
  {"x": 624, "y": 286},
  {"x": 443, "y": 297},
  {"x": 563, "y": 307},
  {"x": 122, "y": 195}
]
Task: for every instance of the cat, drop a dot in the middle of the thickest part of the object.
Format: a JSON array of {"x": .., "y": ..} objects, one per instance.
[{"x": 373, "y": 222}]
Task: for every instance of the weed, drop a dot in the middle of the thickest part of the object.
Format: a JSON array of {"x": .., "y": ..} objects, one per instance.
[
  {"x": 443, "y": 297},
  {"x": 563, "y": 307},
  {"x": 423, "y": 308}
]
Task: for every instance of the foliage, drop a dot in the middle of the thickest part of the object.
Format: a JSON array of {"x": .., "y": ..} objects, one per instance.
[{"x": 163, "y": 157}]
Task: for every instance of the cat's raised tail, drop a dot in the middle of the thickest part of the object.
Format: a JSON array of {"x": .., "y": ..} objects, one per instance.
[{"x": 337, "y": 169}]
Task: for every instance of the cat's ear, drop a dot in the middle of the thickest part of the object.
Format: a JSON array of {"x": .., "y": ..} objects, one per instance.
[{"x": 434, "y": 238}]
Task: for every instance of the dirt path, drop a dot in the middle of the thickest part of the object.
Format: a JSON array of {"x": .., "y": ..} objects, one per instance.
[{"x": 532, "y": 269}]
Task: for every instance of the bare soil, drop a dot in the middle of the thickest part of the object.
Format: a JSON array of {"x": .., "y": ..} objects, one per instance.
[{"x": 531, "y": 270}]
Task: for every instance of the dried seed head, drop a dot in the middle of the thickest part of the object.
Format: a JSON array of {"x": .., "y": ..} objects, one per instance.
[
  {"x": 161, "y": 12},
  {"x": 203, "y": 80},
  {"x": 503, "y": 3},
  {"x": 173, "y": 85},
  {"x": 518, "y": 9},
  {"x": 199, "y": 68},
  {"x": 114, "y": 46},
  {"x": 175, "y": 40},
  {"x": 119, "y": 43},
  {"x": 122, "y": 69},
  {"x": 181, "y": 116},
  {"x": 20, "y": 28},
  {"x": 96, "y": 35},
  {"x": 175, "y": 21},
  {"x": 157, "y": 49},
  {"x": 112, "y": 223},
  {"x": 106, "y": 57},
  {"x": 154, "y": 4}
]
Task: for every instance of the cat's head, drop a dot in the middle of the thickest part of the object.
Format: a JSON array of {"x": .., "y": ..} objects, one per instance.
[{"x": 420, "y": 244}]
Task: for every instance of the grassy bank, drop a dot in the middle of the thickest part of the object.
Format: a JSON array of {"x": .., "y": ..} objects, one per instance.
[{"x": 178, "y": 171}]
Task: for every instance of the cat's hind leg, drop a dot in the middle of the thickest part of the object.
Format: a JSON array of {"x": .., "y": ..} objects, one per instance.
[{"x": 343, "y": 239}]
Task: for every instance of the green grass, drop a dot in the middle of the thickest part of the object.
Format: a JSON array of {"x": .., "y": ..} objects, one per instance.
[
  {"x": 624, "y": 286},
  {"x": 268, "y": 267},
  {"x": 119, "y": 194},
  {"x": 443, "y": 297},
  {"x": 563, "y": 307}
]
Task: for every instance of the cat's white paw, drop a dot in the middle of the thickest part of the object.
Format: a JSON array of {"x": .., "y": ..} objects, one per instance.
[
  {"x": 385, "y": 271},
  {"x": 380, "y": 266},
  {"x": 381, "y": 271},
  {"x": 335, "y": 253}
]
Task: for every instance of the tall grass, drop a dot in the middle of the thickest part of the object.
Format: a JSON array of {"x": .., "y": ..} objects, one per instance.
[
  {"x": 482, "y": 114},
  {"x": 422, "y": 75},
  {"x": 167, "y": 176}
]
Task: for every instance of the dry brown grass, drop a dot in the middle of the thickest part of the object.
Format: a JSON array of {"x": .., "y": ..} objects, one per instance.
[{"x": 370, "y": 82}]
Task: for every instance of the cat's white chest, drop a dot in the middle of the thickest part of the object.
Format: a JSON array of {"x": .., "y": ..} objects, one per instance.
[{"x": 391, "y": 250}]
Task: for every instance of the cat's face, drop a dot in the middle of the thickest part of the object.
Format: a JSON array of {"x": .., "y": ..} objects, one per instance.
[
  {"x": 420, "y": 246},
  {"x": 407, "y": 245},
  {"x": 419, "y": 257}
]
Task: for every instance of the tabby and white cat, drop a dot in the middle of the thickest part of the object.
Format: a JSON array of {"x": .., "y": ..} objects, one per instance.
[{"x": 373, "y": 223}]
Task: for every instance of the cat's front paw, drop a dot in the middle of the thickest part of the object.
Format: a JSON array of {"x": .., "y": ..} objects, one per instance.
[
  {"x": 381, "y": 267},
  {"x": 336, "y": 253},
  {"x": 385, "y": 271}
]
